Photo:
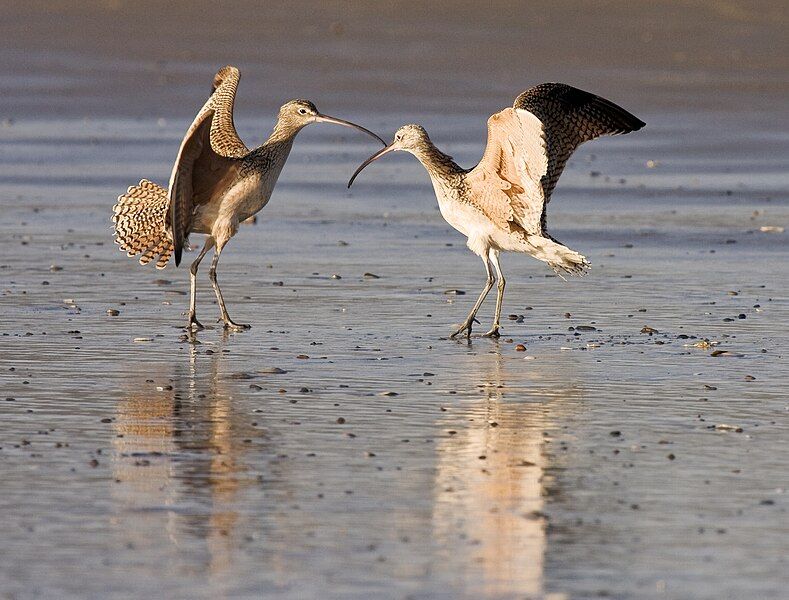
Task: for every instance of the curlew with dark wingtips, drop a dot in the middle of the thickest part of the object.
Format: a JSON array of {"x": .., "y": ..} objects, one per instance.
[{"x": 500, "y": 205}]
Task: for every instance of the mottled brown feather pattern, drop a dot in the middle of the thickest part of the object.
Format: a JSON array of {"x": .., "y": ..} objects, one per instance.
[
  {"x": 224, "y": 138},
  {"x": 211, "y": 137},
  {"x": 139, "y": 220}
]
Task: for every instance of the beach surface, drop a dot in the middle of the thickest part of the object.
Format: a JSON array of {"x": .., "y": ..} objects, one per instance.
[{"x": 633, "y": 446}]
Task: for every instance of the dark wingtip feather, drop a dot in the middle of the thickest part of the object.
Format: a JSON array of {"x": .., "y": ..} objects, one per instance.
[
  {"x": 637, "y": 124},
  {"x": 624, "y": 120},
  {"x": 573, "y": 100},
  {"x": 178, "y": 245},
  {"x": 178, "y": 248}
]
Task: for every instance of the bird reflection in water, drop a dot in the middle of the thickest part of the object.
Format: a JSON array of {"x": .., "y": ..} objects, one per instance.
[
  {"x": 491, "y": 473},
  {"x": 179, "y": 466}
]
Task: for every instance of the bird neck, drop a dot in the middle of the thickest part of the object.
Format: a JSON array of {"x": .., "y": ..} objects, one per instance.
[
  {"x": 284, "y": 131},
  {"x": 438, "y": 164}
]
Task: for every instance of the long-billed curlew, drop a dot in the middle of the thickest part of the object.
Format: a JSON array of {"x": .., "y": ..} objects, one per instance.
[
  {"x": 501, "y": 203},
  {"x": 216, "y": 183}
]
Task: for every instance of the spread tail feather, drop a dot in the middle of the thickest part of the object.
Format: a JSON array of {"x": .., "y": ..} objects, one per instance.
[
  {"x": 140, "y": 222},
  {"x": 558, "y": 256}
]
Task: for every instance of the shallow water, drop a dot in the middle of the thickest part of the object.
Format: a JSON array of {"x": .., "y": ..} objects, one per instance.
[
  {"x": 484, "y": 472},
  {"x": 344, "y": 447}
]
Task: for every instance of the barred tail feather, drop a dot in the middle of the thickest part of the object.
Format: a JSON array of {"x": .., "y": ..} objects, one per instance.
[
  {"x": 140, "y": 222},
  {"x": 559, "y": 257}
]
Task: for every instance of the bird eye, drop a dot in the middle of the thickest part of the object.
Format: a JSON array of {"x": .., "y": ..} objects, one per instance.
[{"x": 302, "y": 111}]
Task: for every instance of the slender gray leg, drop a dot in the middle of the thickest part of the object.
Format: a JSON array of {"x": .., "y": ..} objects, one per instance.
[
  {"x": 494, "y": 258},
  {"x": 229, "y": 324},
  {"x": 193, "y": 324},
  {"x": 467, "y": 324}
]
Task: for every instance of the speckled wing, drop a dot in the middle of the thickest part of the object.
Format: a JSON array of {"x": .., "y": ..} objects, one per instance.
[
  {"x": 211, "y": 139},
  {"x": 569, "y": 118},
  {"x": 224, "y": 139},
  {"x": 529, "y": 145}
]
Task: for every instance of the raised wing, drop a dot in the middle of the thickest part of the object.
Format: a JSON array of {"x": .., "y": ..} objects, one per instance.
[
  {"x": 209, "y": 149},
  {"x": 571, "y": 117},
  {"x": 529, "y": 145},
  {"x": 224, "y": 139},
  {"x": 509, "y": 174}
]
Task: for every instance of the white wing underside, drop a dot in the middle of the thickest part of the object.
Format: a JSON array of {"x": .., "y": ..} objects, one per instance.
[{"x": 508, "y": 179}]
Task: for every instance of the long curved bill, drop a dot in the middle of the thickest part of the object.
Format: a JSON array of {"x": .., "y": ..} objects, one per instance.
[
  {"x": 328, "y": 119},
  {"x": 374, "y": 157}
]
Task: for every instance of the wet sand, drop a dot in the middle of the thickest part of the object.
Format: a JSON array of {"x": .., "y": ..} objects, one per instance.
[{"x": 344, "y": 448}]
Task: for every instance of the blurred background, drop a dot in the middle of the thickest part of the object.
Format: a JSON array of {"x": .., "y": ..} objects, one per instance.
[{"x": 143, "y": 58}]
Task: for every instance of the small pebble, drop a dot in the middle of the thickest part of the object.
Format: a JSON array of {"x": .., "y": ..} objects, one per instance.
[{"x": 725, "y": 427}]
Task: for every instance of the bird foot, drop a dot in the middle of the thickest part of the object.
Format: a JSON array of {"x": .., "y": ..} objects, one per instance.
[
  {"x": 493, "y": 333},
  {"x": 466, "y": 326},
  {"x": 231, "y": 326},
  {"x": 193, "y": 324}
]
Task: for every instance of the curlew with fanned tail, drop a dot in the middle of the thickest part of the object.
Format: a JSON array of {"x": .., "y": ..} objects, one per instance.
[{"x": 216, "y": 183}]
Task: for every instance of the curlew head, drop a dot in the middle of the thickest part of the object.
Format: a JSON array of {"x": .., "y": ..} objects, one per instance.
[
  {"x": 410, "y": 138},
  {"x": 299, "y": 113}
]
